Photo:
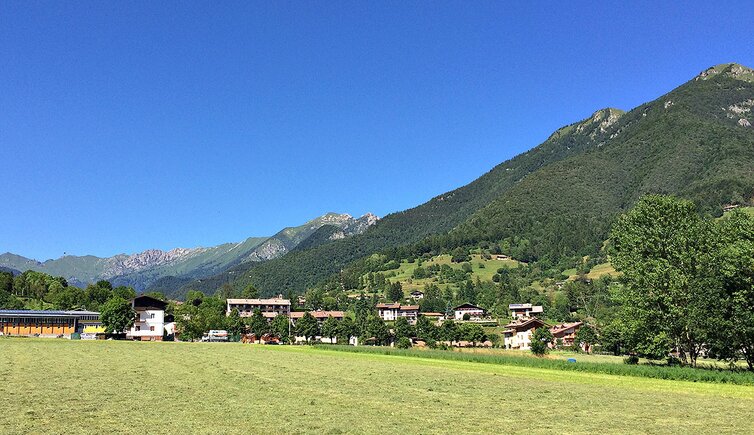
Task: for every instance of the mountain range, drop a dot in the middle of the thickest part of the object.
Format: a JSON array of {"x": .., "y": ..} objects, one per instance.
[
  {"x": 152, "y": 267},
  {"x": 557, "y": 201},
  {"x": 553, "y": 204}
]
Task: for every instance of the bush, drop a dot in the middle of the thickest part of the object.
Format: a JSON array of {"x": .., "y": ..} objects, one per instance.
[
  {"x": 631, "y": 360},
  {"x": 466, "y": 316},
  {"x": 403, "y": 343}
]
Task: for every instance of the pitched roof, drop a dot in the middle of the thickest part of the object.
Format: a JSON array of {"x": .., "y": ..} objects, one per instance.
[
  {"x": 388, "y": 306},
  {"x": 409, "y": 308},
  {"x": 468, "y": 305},
  {"x": 557, "y": 329},
  {"x": 270, "y": 301},
  {"x": 318, "y": 314},
  {"x": 146, "y": 301},
  {"x": 525, "y": 325},
  {"x": 46, "y": 313}
]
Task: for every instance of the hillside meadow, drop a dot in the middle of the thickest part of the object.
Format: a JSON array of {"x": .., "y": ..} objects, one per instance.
[{"x": 57, "y": 386}]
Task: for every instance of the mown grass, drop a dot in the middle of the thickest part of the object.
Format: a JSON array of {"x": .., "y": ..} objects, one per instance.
[
  {"x": 711, "y": 375},
  {"x": 72, "y": 387}
]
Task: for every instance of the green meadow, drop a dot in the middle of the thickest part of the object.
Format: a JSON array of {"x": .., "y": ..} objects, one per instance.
[{"x": 59, "y": 386}]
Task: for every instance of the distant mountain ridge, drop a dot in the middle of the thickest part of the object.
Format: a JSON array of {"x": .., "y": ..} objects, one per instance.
[
  {"x": 143, "y": 269},
  {"x": 558, "y": 200}
]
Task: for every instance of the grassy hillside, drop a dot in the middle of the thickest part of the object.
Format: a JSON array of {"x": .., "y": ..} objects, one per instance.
[
  {"x": 481, "y": 268},
  {"x": 233, "y": 388}
]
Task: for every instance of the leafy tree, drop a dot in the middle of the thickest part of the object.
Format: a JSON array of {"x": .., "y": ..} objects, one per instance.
[
  {"x": 280, "y": 326},
  {"x": 665, "y": 251},
  {"x": 10, "y": 302},
  {"x": 449, "y": 331},
  {"x": 250, "y": 292},
  {"x": 257, "y": 323},
  {"x": 403, "y": 329},
  {"x": 377, "y": 329},
  {"x": 117, "y": 316},
  {"x": 425, "y": 329},
  {"x": 97, "y": 294},
  {"x": 586, "y": 337},
  {"x": 226, "y": 291},
  {"x": 126, "y": 293},
  {"x": 395, "y": 291},
  {"x": 6, "y": 282},
  {"x": 540, "y": 340},
  {"x": 330, "y": 327},
  {"x": 733, "y": 339},
  {"x": 473, "y": 333},
  {"x": 66, "y": 298},
  {"x": 403, "y": 343},
  {"x": 234, "y": 323},
  {"x": 307, "y": 327},
  {"x": 346, "y": 330}
]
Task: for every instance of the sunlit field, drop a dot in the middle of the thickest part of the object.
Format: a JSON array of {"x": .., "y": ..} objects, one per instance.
[{"x": 57, "y": 386}]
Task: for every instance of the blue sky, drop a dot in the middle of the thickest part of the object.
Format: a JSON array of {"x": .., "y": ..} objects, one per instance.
[{"x": 133, "y": 125}]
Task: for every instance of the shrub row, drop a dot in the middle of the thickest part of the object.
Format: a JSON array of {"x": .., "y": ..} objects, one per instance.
[{"x": 711, "y": 375}]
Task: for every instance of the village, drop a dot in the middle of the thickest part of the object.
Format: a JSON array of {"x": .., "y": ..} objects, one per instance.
[{"x": 151, "y": 323}]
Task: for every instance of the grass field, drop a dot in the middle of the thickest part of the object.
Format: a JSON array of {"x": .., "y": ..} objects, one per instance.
[{"x": 58, "y": 386}]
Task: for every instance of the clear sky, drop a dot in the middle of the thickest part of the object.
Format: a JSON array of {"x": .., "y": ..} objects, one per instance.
[{"x": 133, "y": 125}]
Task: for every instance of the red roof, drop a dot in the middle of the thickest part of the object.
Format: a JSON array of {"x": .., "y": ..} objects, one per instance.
[
  {"x": 559, "y": 329},
  {"x": 318, "y": 314},
  {"x": 525, "y": 325}
]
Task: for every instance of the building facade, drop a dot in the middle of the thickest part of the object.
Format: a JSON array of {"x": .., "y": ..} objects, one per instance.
[
  {"x": 391, "y": 312},
  {"x": 42, "y": 323},
  {"x": 474, "y": 312},
  {"x": 518, "y": 334},
  {"x": 525, "y": 311},
  {"x": 149, "y": 324},
  {"x": 269, "y": 307}
]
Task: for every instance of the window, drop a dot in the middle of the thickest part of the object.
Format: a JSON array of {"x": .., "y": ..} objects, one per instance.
[
  {"x": 138, "y": 328},
  {"x": 151, "y": 328},
  {"x": 151, "y": 315}
]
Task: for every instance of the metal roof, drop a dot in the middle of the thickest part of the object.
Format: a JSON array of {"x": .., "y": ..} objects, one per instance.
[{"x": 46, "y": 313}]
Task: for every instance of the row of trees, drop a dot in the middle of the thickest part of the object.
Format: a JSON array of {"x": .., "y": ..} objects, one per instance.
[{"x": 688, "y": 282}]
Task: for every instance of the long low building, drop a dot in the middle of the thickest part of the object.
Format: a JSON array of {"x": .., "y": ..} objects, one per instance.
[
  {"x": 271, "y": 307},
  {"x": 31, "y": 323}
]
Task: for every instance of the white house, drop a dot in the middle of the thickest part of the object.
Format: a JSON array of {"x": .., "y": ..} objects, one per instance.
[
  {"x": 517, "y": 334},
  {"x": 150, "y": 319},
  {"x": 474, "y": 312},
  {"x": 391, "y": 312},
  {"x": 416, "y": 295},
  {"x": 524, "y": 311}
]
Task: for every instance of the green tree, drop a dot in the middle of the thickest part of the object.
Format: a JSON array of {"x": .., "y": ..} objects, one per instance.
[
  {"x": 307, "y": 327},
  {"x": 449, "y": 331},
  {"x": 66, "y": 298},
  {"x": 395, "y": 291},
  {"x": 280, "y": 326},
  {"x": 473, "y": 333},
  {"x": 540, "y": 340},
  {"x": 124, "y": 292},
  {"x": 671, "y": 300},
  {"x": 97, "y": 294},
  {"x": 733, "y": 339},
  {"x": 346, "y": 330},
  {"x": 330, "y": 327},
  {"x": 425, "y": 329},
  {"x": 403, "y": 329},
  {"x": 234, "y": 323},
  {"x": 250, "y": 292},
  {"x": 117, "y": 316},
  {"x": 586, "y": 337},
  {"x": 377, "y": 329},
  {"x": 257, "y": 323}
]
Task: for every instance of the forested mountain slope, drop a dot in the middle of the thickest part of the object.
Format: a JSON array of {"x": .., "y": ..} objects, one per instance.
[{"x": 559, "y": 199}]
